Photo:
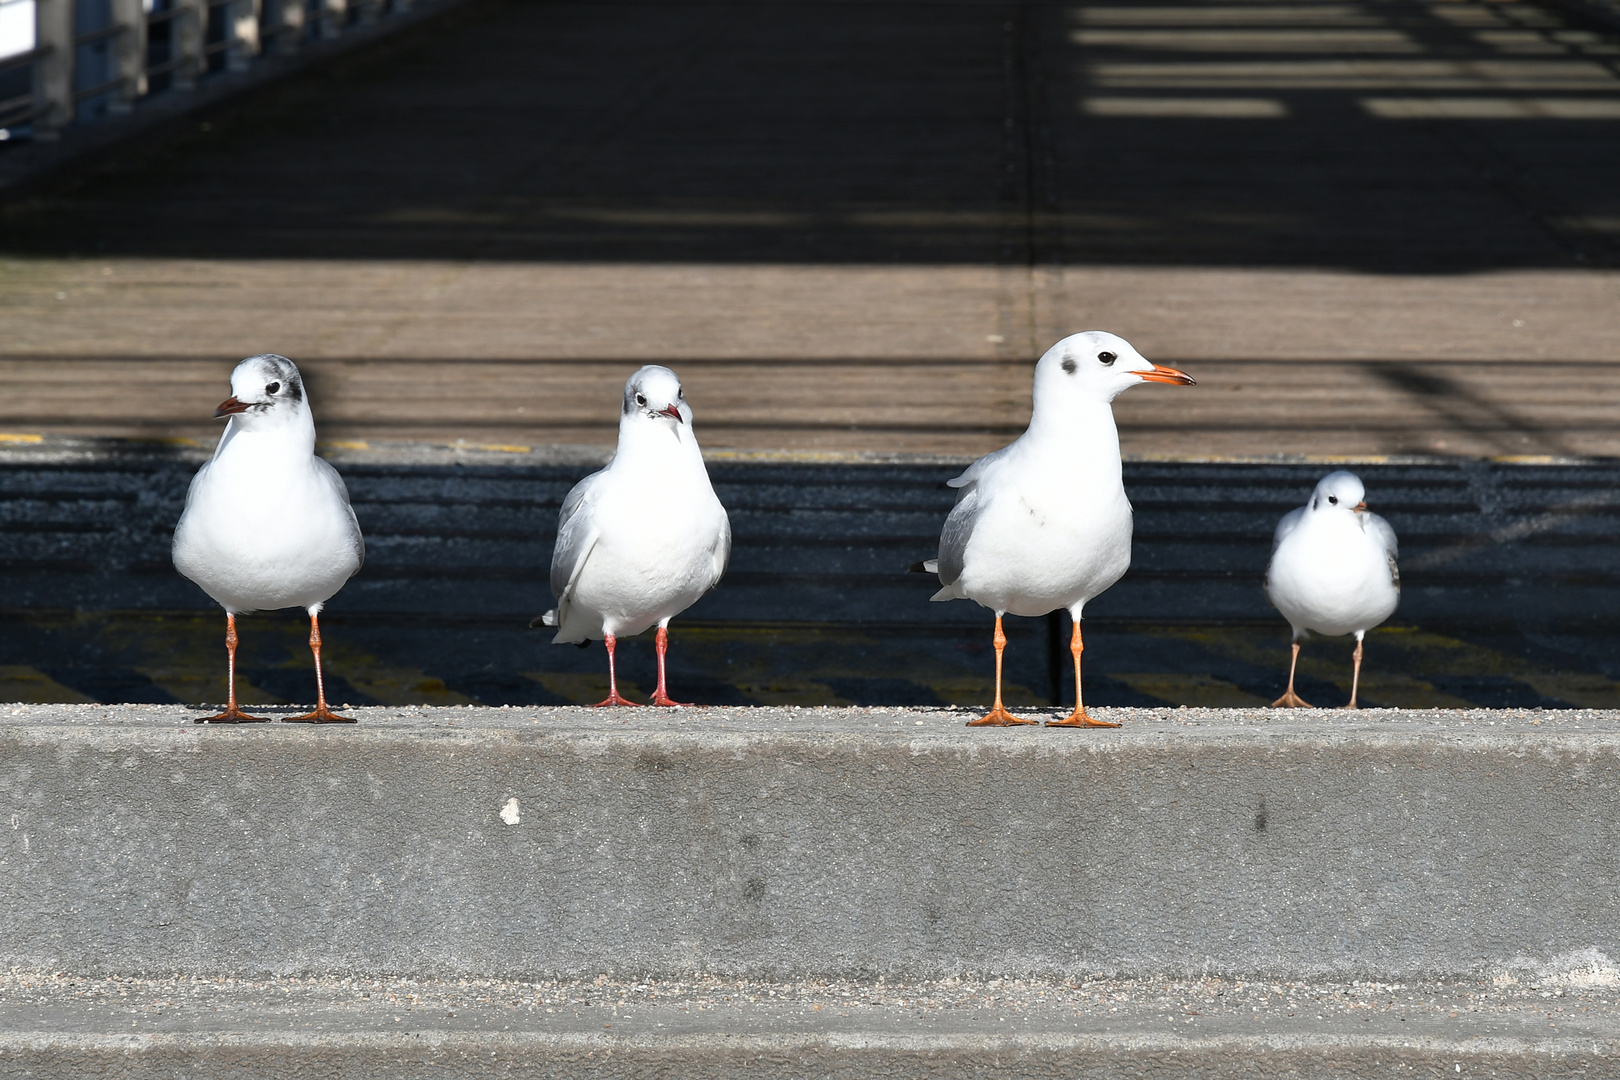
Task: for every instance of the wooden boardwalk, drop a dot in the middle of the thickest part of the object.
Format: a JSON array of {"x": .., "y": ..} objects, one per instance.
[{"x": 1366, "y": 229}]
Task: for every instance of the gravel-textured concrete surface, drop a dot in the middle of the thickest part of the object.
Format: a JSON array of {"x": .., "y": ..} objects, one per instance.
[
  {"x": 807, "y": 843},
  {"x": 1563, "y": 1024}
]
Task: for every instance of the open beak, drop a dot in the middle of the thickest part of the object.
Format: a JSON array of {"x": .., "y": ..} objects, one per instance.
[
  {"x": 1359, "y": 508},
  {"x": 670, "y": 410},
  {"x": 1170, "y": 375},
  {"x": 229, "y": 407}
]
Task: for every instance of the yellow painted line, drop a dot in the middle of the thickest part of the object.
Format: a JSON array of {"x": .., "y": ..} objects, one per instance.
[
  {"x": 1200, "y": 690},
  {"x": 388, "y": 684},
  {"x": 585, "y": 688},
  {"x": 345, "y": 444},
  {"x": 19, "y": 437},
  {"x": 30, "y": 686},
  {"x": 499, "y": 448}
]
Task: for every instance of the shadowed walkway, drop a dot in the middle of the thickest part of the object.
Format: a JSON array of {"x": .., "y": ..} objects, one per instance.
[{"x": 1365, "y": 227}]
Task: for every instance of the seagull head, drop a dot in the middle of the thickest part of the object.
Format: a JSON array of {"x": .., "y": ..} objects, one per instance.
[
  {"x": 654, "y": 395},
  {"x": 1339, "y": 493},
  {"x": 1096, "y": 366},
  {"x": 265, "y": 392}
]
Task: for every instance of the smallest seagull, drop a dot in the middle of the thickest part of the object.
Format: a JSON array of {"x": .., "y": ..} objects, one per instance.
[
  {"x": 1333, "y": 571},
  {"x": 267, "y": 524}
]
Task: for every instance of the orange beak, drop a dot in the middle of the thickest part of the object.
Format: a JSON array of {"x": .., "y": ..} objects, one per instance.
[
  {"x": 228, "y": 407},
  {"x": 1359, "y": 508},
  {"x": 1170, "y": 375}
]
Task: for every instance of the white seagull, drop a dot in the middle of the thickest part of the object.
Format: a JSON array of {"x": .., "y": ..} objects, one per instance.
[
  {"x": 641, "y": 540},
  {"x": 268, "y": 524},
  {"x": 1333, "y": 571},
  {"x": 1044, "y": 523}
]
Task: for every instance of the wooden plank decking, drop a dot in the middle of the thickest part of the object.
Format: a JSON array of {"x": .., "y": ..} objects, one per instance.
[{"x": 1366, "y": 229}]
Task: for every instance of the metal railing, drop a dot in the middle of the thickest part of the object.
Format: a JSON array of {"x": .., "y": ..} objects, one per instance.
[{"x": 138, "y": 52}]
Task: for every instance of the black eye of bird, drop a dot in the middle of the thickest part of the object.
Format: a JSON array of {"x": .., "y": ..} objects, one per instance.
[
  {"x": 641, "y": 399},
  {"x": 1107, "y": 357},
  {"x": 1334, "y": 499},
  {"x": 272, "y": 388},
  {"x": 681, "y": 394}
]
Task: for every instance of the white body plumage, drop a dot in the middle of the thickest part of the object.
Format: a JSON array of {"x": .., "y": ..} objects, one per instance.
[
  {"x": 267, "y": 524},
  {"x": 643, "y": 539},
  {"x": 1044, "y": 522},
  {"x": 1333, "y": 562}
]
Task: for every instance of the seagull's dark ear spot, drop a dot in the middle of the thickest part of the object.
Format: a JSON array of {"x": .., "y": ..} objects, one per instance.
[{"x": 1069, "y": 366}]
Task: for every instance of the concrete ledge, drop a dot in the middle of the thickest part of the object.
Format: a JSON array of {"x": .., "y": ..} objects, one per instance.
[
  {"x": 800, "y": 843},
  {"x": 60, "y": 1026}
]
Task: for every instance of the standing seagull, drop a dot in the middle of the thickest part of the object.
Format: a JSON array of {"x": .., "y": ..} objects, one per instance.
[
  {"x": 268, "y": 524},
  {"x": 1333, "y": 571},
  {"x": 1044, "y": 523},
  {"x": 641, "y": 540}
]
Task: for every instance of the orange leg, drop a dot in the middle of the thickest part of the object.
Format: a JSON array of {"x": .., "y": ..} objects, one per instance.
[
  {"x": 998, "y": 716},
  {"x": 613, "y": 697},
  {"x": 231, "y": 715},
  {"x": 661, "y": 697},
  {"x": 1355, "y": 678},
  {"x": 1078, "y": 718},
  {"x": 321, "y": 715},
  {"x": 1291, "y": 700}
]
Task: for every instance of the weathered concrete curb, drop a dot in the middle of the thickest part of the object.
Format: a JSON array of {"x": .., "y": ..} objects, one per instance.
[
  {"x": 65, "y": 1026},
  {"x": 789, "y": 844}
]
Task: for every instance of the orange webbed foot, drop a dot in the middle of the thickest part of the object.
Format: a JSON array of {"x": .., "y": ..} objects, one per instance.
[
  {"x": 231, "y": 715},
  {"x": 1291, "y": 700},
  {"x": 614, "y": 699},
  {"x": 999, "y": 717},
  {"x": 668, "y": 702},
  {"x": 1080, "y": 718},
  {"x": 321, "y": 715}
]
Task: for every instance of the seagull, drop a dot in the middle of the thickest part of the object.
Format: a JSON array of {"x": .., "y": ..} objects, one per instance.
[
  {"x": 1333, "y": 571},
  {"x": 1044, "y": 523},
  {"x": 641, "y": 540},
  {"x": 267, "y": 524}
]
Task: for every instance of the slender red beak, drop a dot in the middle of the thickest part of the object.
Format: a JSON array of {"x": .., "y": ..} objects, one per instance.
[
  {"x": 1170, "y": 375},
  {"x": 670, "y": 410},
  {"x": 230, "y": 406}
]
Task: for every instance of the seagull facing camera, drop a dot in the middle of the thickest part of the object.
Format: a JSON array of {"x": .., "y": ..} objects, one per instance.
[
  {"x": 1333, "y": 570},
  {"x": 643, "y": 539},
  {"x": 267, "y": 524},
  {"x": 1044, "y": 523}
]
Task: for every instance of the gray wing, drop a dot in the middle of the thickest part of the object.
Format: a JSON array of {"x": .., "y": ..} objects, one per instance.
[
  {"x": 325, "y": 470},
  {"x": 576, "y": 535},
  {"x": 722, "y": 549},
  {"x": 953, "y": 538},
  {"x": 1385, "y": 533}
]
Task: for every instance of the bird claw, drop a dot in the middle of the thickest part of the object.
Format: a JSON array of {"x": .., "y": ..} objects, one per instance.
[
  {"x": 231, "y": 716},
  {"x": 615, "y": 699},
  {"x": 1080, "y": 718},
  {"x": 1291, "y": 700},
  {"x": 321, "y": 715},
  {"x": 999, "y": 717},
  {"x": 668, "y": 702}
]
